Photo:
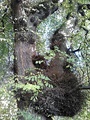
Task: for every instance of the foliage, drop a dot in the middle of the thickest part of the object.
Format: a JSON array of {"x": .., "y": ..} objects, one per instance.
[
  {"x": 8, "y": 107},
  {"x": 78, "y": 37},
  {"x": 7, "y": 102},
  {"x": 6, "y": 38},
  {"x": 83, "y": 1},
  {"x": 28, "y": 115}
]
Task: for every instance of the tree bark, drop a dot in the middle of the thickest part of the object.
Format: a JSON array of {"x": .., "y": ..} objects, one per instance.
[
  {"x": 27, "y": 15},
  {"x": 25, "y": 22}
]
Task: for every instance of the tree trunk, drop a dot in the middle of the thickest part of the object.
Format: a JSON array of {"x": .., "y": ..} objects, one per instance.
[
  {"x": 25, "y": 22},
  {"x": 59, "y": 100}
]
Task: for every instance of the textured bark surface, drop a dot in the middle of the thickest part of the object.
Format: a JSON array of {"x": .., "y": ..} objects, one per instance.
[
  {"x": 25, "y": 19},
  {"x": 25, "y": 24},
  {"x": 64, "y": 98}
]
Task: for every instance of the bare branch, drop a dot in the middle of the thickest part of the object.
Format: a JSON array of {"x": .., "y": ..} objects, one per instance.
[{"x": 85, "y": 88}]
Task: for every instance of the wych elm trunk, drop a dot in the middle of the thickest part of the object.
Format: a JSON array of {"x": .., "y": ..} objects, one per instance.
[
  {"x": 65, "y": 97},
  {"x": 25, "y": 20}
]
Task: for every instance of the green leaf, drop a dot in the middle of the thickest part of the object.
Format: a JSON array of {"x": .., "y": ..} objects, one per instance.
[
  {"x": 28, "y": 87},
  {"x": 83, "y": 1}
]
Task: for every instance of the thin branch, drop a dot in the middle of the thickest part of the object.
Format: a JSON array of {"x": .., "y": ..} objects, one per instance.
[
  {"x": 84, "y": 88},
  {"x": 75, "y": 50}
]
